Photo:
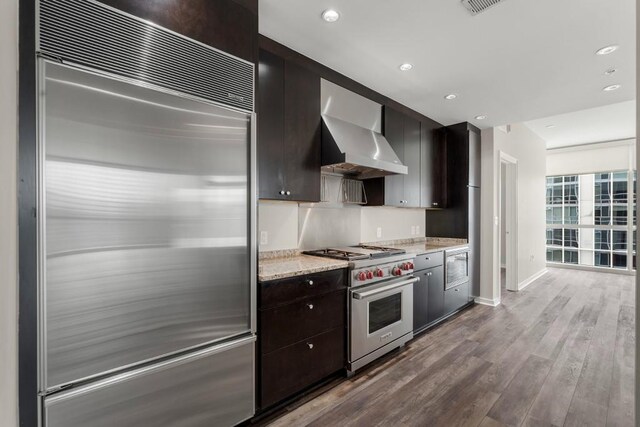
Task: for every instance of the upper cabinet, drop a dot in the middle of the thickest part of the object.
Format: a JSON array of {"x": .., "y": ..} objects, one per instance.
[
  {"x": 289, "y": 127},
  {"x": 433, "y": 166},
  {"x": 420, "y": 146},
  {"x": 461, "y": 219},
  {"x": 403, "y": 134},
  {"x": 463, "y": 146}
]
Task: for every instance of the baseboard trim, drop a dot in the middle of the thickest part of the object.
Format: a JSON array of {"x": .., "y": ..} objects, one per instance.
[
  {"x": 486, "y": 301},
  {"x": 532, "y": 279}
]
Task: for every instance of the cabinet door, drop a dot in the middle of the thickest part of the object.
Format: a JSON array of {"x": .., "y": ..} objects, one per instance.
[
  {"x": 433, "y": 167},
  {"x": 302, "y": 133},
  {"x": 285, "y": 325},
  {"x": 270, "y": 126},
  {"x": 394, "y": 132},
  {"x": 474, "y": 158},
  {"x": 412, "y": 162},
  {"x": 420, "y": 301},
  {"x": 293, "y": 368},
  {"x": 435, "y": 298}
]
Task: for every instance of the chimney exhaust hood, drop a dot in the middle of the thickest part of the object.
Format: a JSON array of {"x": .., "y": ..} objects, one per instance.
[{"x": 351, "y": 140}]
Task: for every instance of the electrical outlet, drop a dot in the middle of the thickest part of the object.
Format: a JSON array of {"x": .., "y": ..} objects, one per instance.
[
  {"x": 264, "y": 238},
  {"x": 417, "y": 230},
  {"x": 413, "y": 230},
  {"x": 379, "y": 232}
]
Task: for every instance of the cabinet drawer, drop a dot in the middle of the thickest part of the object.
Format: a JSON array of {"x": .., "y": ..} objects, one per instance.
[
  {"x": 287, "y": 324},
  {"x": 429, "y": 260},
  {"x": 284, "y": 291},
  {"x": 455, "y": 298},
  {"x": 293, "y": 368}
]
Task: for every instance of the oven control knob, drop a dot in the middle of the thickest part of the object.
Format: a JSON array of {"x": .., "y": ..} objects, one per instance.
[
  {"x": 369, "y": 275},
  {"x": 396, "y": 271},
  {"x": 362, "y": 276},
  {"x": 379, "y": 273},
  {"x": 405, "y": 266},
  {"x": 410, "y": 265}
]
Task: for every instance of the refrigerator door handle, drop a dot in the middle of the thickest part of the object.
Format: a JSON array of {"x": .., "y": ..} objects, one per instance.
[{"x": 253, "y": 229}]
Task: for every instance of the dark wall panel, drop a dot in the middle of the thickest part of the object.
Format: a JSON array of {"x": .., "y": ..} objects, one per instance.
[{"x": 228, "y": 25}]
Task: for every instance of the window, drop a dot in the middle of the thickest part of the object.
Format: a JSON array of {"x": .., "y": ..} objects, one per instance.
[{"x": 592, "y": 228}]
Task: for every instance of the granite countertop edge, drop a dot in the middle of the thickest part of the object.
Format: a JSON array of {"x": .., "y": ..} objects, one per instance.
[{"x": 299, "y": 265}]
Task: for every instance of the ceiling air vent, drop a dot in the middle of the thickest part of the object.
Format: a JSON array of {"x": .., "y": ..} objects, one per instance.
[{"x": 477, "y": 6}]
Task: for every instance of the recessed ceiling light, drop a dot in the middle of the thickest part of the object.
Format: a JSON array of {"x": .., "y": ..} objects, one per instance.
[
  {"x": 406, "y": 67},
  {"x": 550, "y": 126},
  {"x": 607, "y": 50},
  {"x": 481, "y": 117},
  {"x": 610, "y": 71},
  {"x": 330, "y": 15},
  {"x": 611, "y": 88},
  {"x": 451, "y": 96}
]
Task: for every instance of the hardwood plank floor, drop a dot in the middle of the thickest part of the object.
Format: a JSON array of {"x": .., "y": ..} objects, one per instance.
[{"x": 559, "y": 353}]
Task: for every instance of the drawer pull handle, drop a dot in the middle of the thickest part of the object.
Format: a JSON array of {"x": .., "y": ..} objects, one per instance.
[
  {"x": 310, "y": 306},
  {"x": 310, "y": 282},
  {"x": 310, "y": 346}
]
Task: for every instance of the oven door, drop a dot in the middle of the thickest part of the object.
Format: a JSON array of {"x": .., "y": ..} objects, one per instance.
[
  {"x": 380, "y": 314},
  {"x": 456, "y": 267}
]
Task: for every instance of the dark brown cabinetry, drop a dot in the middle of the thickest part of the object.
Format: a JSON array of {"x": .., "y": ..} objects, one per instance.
[
  {"x": 419, "y": 146},
  {"x": 301, "y": 333},
  {"x": 403, "y": 134},
  {"x": 288, "y": 130},
  {"x": 433, "y": 167},
  {"x": 461, "y": 219}
]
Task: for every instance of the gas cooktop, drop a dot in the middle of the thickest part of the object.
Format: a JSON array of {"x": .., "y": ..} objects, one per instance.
[{"x": 360, "y": 252}]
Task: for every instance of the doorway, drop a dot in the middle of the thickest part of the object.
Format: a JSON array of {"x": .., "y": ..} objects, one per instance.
[{"x": 507, "y": 221}]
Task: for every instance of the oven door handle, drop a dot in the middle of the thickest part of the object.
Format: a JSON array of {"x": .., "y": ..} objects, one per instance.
[{"x": 367, "y": 294}]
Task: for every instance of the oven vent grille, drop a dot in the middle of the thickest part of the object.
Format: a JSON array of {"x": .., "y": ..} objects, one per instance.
[
  {"x": 91, "y": 34},
  {"x": 477, "y": 6}
]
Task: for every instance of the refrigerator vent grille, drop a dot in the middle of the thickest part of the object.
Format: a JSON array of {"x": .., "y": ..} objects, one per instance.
[
  {"x": 477, "y": 6},
  {"x": 88, "y": 33}
]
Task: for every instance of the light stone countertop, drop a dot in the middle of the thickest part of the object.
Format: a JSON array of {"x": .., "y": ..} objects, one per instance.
[
  {"x": 429, "y": 245},
  {"x": 290, "y": 266}
]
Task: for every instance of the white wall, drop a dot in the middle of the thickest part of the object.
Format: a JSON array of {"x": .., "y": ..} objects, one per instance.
[
  {"x": 395, "y": 223},
  {"x": 584, "y": 159},
  {"x": 503, "y": 215},
  {"x": 313, "y": 226},
  {"x": 279, "y": 221},
  {"x": 8, "y": 213},
  {"x": 530, "y": 152}
]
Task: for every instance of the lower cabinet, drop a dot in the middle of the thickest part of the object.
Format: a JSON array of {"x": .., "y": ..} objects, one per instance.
[
  {"x": 456, "y": 298},
  {"x": 428, "y": 297},
  {"x": 295, "y": 367},
  {"x": 436, "y": 295},
  {"x": 431, "y": 302},
  {"x": 301, "y": 333}
]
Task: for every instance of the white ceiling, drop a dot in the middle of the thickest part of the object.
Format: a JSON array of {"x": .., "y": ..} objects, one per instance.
[
  {"x": 609, "y": 123},
  {"x": 517, "y": 61}
]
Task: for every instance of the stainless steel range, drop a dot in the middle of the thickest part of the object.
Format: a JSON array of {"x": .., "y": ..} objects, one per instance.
[{"x": 380, "y": 300}]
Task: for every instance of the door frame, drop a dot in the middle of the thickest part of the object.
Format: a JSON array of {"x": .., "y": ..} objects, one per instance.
[{"x": 510, "y": 221}]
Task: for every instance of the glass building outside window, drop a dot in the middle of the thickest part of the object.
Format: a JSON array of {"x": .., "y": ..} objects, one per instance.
[{"x": 591, "y": 219}]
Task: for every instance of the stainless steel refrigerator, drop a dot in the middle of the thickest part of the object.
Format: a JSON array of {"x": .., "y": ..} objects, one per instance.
[{"x": 146, "y": 234}]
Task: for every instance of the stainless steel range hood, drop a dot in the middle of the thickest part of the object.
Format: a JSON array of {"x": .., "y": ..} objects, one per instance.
[{"x": 351, "y": 139}]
